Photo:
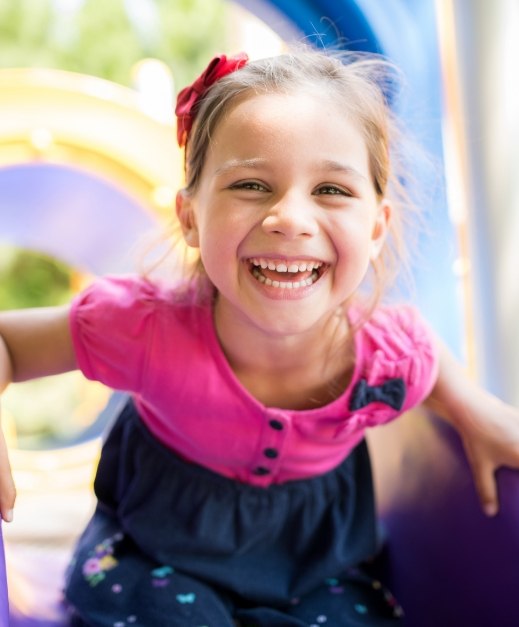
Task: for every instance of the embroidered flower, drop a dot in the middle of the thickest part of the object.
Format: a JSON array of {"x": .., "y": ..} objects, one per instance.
[
  {"x": 218, "y": 67},
  {"x": 91, "y": 567},
  {"x": 107, "y": 562},
  {"x": 100, "y": 560}
]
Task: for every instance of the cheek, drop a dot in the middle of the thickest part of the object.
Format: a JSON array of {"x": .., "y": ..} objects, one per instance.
[
  {"x": 218, "y": 248},
  {"x": 226, "y": 230},
  {"x": 352, "y": 233},
  {"x": 353, "y": 246}
]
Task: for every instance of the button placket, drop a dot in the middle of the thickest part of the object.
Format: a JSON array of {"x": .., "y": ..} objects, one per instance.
[{"x": 272, "y": 441}]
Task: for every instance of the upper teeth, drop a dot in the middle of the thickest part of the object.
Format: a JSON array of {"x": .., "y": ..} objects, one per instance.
[{"x": 281, "y": 266}]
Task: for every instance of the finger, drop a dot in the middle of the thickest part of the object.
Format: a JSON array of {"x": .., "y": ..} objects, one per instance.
[
  {"x": 7, "y": 487},
  {"x": 486, "y": 487},
  {"x": 483, "y": 472}
]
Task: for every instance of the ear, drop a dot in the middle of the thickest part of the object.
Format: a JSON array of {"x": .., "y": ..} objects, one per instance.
[
  {"x": 186, "y": 217},
  {"x": 381, "y": 227}
]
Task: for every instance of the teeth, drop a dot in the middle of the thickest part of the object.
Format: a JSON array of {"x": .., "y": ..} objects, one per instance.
[
  {"x": 285, "y": 284},
  {"x": 280, "y": 266},
  {"x": 260, "y": 263}
]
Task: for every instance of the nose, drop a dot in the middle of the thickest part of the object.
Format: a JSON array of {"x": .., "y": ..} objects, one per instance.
[{"x": 291, "y": 216}]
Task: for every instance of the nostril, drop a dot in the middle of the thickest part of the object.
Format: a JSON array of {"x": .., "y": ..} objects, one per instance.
[{"x": 290, "y": 223}]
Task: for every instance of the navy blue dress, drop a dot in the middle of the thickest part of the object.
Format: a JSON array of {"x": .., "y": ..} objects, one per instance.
[{"x": 174, "y": 544}]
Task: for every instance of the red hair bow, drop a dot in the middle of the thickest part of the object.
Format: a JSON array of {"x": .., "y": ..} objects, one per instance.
[{"x": 218, "y": 67}]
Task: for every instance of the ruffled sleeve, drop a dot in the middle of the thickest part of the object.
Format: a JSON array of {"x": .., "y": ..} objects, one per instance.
[
  {"x": 112, "y": 327},
  {"x": 399, "y": 365}
]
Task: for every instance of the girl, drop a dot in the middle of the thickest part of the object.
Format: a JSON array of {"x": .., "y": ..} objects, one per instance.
[{"x": 235, "y": 485}]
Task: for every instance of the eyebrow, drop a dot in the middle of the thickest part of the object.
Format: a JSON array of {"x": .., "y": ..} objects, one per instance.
[
  {"x": 337, "y": 166},
  {"x": 233, "y": 164}
]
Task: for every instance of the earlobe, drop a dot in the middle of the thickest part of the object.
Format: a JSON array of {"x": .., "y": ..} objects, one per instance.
[
  {"x": 186, "y": 217},
  {"x": 381, "y": 227}
]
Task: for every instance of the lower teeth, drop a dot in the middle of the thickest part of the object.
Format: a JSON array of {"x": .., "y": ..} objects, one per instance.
[{"x": 285, "y": 284}]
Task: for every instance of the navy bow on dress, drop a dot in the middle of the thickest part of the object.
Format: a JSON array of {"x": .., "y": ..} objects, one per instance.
[{"x": 391, "y": 393}]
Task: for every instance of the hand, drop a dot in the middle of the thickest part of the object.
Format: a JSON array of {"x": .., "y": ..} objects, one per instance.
[
  {"x": 490, "y": 434},
  {"x": 488, "y": 427},
  {"x": 7, "y": 488}
]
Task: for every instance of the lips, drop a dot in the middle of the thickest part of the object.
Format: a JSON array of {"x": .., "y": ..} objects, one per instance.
[{"x": 286, "y": 274}]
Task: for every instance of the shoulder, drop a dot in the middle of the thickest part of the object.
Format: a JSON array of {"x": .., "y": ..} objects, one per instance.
[
  {"x": 132, "y": 305},
  {"x": 396, "y": 343},
  {"x": 118, "y": 323},
  {"x": 397, "y": 331}
]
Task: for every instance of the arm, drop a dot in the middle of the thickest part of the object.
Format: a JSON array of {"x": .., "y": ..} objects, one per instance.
[
  {"x": 488, "y": 427},
  {"x": 7, "y": 489},
  {"x": 33, "y": 343}
]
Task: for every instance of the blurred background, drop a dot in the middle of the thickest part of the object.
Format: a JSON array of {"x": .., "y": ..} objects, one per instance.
[
  {"x": 60, "y": 151},
  {"x": 89, "y": 168}
]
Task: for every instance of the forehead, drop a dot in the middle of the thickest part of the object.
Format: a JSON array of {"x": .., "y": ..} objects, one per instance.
[{"x": 297, "y": 124}]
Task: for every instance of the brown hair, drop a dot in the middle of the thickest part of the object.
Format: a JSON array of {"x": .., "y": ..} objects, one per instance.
[{"x": 364, "y": 84}]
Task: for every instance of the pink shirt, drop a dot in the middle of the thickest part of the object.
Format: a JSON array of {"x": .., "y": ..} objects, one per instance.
[{"x": 138, "y": 337}]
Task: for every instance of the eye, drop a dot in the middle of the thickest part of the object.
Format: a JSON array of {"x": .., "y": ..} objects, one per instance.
[
  {"x": 253, "y": 186},
  {"x": 332, "y": 190}
]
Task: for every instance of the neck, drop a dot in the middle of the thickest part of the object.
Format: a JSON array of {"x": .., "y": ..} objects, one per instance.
[{"x": 297, "y": 371}]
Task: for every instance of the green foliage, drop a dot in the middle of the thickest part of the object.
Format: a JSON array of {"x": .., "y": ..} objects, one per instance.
[
  {"x": 106, "y": 38},
  {"x": 29, "y": 279},
  {"x": 23, "y": 31}
]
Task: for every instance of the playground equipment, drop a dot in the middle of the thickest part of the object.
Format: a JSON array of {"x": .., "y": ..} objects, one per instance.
[{"x": 80, "y": 180}]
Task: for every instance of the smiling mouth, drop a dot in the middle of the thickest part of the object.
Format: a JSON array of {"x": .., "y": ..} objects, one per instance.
[{"x": 286, "y": 274}]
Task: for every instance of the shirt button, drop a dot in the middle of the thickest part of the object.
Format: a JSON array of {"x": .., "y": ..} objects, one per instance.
[
  {"x": 261, "y": 470},
  {"x": 276, "y": 424},
  {"x": 271, "y": 453}
]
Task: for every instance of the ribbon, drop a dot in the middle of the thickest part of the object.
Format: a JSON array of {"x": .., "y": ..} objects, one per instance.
[
  {"x": 185, "y": 110},
  {"x": 391, "y": 393}
]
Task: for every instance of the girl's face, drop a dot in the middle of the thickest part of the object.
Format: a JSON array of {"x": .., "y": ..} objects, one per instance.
[{"x": 285, "y": 215}]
